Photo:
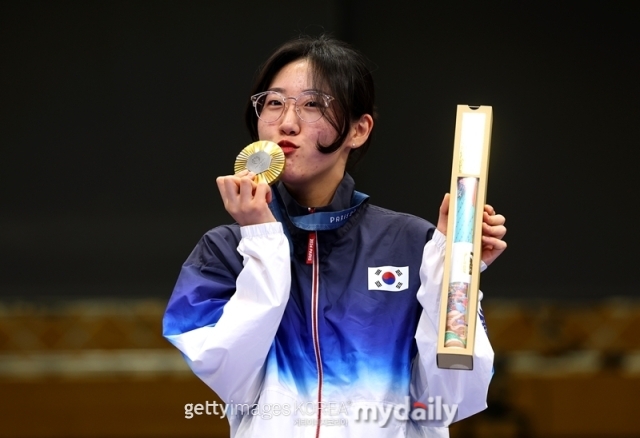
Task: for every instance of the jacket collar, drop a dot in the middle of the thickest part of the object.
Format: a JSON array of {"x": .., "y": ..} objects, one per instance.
[{"x": 288, "y": 207}]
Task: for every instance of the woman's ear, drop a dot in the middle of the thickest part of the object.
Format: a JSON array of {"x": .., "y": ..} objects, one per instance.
[{"x": 360, "y": 131}]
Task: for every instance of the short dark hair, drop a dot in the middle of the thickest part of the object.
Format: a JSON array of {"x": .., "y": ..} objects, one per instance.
[{"x": 337, "y": 68}]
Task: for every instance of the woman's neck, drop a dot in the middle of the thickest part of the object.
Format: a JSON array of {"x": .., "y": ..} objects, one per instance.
[{"x": 315, "y": 196}]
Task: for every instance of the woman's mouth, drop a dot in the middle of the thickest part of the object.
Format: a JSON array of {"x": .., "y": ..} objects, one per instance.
[{"x": 287, "y": 147}]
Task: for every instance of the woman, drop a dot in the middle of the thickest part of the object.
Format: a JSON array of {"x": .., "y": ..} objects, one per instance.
[{"x": 281, "y": 313}]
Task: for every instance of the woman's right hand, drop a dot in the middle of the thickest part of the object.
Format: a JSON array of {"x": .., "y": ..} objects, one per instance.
[{"x": 245, "y": 200}]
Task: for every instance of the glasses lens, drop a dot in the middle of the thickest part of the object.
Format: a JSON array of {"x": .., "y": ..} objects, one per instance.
[
  {"x": 311, "y": 106},
  {"x": 269, "y": 107}
]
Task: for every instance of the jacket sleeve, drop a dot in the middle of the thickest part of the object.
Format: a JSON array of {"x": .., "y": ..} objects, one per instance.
[
  {"x": 464, "y": 388},
  {"x": 224, "y": 325}
]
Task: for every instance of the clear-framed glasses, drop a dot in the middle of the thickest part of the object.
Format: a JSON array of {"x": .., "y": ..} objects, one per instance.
[{"x": 310, "y": 106}]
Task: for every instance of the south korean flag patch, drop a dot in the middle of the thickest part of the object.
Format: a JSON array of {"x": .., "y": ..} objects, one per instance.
[{"x": 389, "y": 278}]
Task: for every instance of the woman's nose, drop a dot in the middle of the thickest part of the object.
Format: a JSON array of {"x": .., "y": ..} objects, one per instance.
[{"x": 290, "y": 121}]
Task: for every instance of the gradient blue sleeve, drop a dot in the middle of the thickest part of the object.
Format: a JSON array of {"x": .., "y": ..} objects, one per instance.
[
  {"x": 205, "y": 284},
  {"x": 227, "y": 306}
]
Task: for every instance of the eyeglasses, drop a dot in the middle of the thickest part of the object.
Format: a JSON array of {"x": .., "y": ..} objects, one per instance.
[{"x": 310, "y": 105}]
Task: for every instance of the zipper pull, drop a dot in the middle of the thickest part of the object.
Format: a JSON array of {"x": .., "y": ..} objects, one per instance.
[
  {"x": 311, "y": 243},
  {"x": 311, "y": 247}
]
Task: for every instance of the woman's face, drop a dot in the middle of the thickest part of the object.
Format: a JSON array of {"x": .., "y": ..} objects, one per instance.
[{"x": 306, "y": 169}]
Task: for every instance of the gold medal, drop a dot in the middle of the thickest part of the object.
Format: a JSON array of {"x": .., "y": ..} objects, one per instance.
[{"x": 264, "y": 158}]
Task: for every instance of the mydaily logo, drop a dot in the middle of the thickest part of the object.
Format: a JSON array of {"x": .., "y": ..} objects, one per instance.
[{"x": 434, "y": 410}]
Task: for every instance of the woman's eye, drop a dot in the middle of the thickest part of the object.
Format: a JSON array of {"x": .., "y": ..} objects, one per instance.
[
  {"x": 273, "y": 102},
  {"x": 311, "y": 104}
]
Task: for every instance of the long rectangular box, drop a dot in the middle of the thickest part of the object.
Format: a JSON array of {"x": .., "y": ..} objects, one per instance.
[{"x": 459, "y": 296}]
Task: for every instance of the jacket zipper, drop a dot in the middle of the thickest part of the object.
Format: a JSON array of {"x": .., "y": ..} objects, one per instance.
[{"x": 312, "y": 258}]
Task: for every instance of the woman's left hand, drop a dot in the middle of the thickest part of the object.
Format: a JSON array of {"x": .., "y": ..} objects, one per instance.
[{"x": 493, "y": 230}]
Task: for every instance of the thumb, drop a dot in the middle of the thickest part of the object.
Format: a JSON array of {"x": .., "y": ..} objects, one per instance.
[
  {"x": 263, "y": 191},
  {"x": 443, "y": 218},
  {"x": 269, "y": 196},
  {"x": 444, "y": 207}
]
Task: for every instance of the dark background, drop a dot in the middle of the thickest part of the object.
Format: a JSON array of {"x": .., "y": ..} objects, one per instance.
[{"x": 116, "y": 118}]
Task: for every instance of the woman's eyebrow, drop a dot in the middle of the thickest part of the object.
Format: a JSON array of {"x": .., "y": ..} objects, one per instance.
[{"x": 282, "y": 90}]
